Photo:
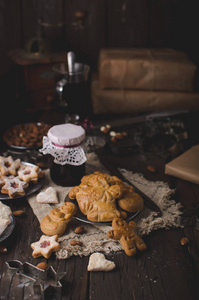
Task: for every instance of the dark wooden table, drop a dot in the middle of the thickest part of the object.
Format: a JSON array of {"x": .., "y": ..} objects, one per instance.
[{"x": 166, "y": 271}]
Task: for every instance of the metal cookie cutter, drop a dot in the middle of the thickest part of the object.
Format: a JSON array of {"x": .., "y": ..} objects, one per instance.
[{"x": 27, "y": 281}]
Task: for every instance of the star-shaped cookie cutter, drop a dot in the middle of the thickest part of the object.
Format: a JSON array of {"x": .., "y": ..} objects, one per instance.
[{"x": 46, "y": 283}]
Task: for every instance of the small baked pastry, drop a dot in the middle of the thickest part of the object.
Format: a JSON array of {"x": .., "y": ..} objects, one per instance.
[
  {"x": 99, "y": 194},
  {"x": 13, "y": 186},
  {"x": 45, "y": 246},
  {"x": 55, "y": 223},
  {"x": 30, "y": 173},
  {"x": 69, "y": 209},
  {"x": 130, "y": 201},
  {"x": 50, "y": 227},
  {"x": 98, "y": 262},
  {"x": 47, "y": 196},
  {"x": 8, "y": 166}
]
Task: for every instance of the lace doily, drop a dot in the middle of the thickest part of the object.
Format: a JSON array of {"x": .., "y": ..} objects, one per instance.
[{"x": 72, "y": 156}]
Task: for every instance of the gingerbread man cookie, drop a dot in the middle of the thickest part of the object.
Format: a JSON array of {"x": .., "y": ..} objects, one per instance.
[
  {"x": 126, "y": 234},
  {"x": 45, "y": 246},
  {"x": 8, "y": 166}
]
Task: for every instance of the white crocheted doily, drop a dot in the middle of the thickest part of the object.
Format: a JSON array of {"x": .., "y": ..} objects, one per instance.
[{"x": 72, "y": 156}]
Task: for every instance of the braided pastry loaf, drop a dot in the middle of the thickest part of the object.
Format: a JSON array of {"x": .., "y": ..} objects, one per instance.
[{"x": 102, "y": 197}]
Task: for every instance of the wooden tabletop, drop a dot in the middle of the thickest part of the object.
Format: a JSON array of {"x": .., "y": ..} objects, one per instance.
[{"x": 166, "y": 270}]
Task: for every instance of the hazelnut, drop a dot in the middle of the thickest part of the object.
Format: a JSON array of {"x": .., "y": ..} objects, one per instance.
[
  {"x": 119, "y": 136},
  {"x": 112, "y": 133},
  {"x": 3, "y": 249},
  {"x": 184, "y": 241},
  {"x": 124, "y": 133},
  {"x": 113, "y": 139}
]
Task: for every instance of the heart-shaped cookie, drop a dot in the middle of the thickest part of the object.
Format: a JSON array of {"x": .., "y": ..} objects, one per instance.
[
  {"x": 48, "y": 196},
  {"x": 98, "y": 262}
]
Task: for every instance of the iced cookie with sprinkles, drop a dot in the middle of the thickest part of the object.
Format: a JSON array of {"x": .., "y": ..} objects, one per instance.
[
  {"x": 8, "y": 166},
  {"x": 45, "y": 246},
  {"x": 14, "y": 187}
]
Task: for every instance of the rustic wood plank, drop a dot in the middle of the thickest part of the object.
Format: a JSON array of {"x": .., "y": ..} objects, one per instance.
[
  {"x": 10, "y": 31},
  {"x": 127, "y": 23},
  {"x": 87, "y": 40}
]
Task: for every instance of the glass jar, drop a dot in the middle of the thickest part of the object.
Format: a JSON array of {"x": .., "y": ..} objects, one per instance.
[{"x": 67, "y": 157}]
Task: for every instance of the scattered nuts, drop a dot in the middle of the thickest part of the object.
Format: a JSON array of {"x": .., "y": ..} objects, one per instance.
[
  {"x": 42, "y": 265},
  {"x": 151, "y": 169},
  {"x": 19, "y": 213},
  {"x": 113, "y": 139},
  {"x": 79, "y": 230},
  {"x": 75, "y": 243},
  {"x": 3, "y": 249},
  {"x": 117, "y": 135},
  {"x": 184, "y": 241},
  {"x": 105, "y": 129},
  {"x": 26, "y": 135},
  {"x": 112, "y": 133}
]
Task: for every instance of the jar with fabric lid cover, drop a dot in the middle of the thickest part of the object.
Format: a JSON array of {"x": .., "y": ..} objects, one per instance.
[{"x": 67, "y": 157}]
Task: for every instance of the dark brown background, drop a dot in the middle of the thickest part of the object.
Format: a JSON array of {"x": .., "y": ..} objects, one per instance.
[{"x": 108, "y": 23}]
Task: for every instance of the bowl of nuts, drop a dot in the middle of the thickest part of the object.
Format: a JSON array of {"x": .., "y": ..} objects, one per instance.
[{"x": 26, "y": 136}]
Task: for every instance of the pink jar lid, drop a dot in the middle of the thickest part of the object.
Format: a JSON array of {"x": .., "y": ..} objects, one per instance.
[{"x": 66, "y": 134}]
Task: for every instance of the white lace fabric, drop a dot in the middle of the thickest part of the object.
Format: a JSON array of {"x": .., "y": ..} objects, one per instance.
[{"x": 72, "y": 156}]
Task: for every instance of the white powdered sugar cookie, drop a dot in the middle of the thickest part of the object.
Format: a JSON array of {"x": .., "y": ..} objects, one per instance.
[
  {"x": 8, "y": 166},
  {"x": 29, "y": 173},
  {"x": 48, "y": 196},
  {"x": 14, "y": 187},
  {"x": 98, "y": 262},
  {"x": 5, "y": 213},
  {"x": 45, "y": 246}
]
